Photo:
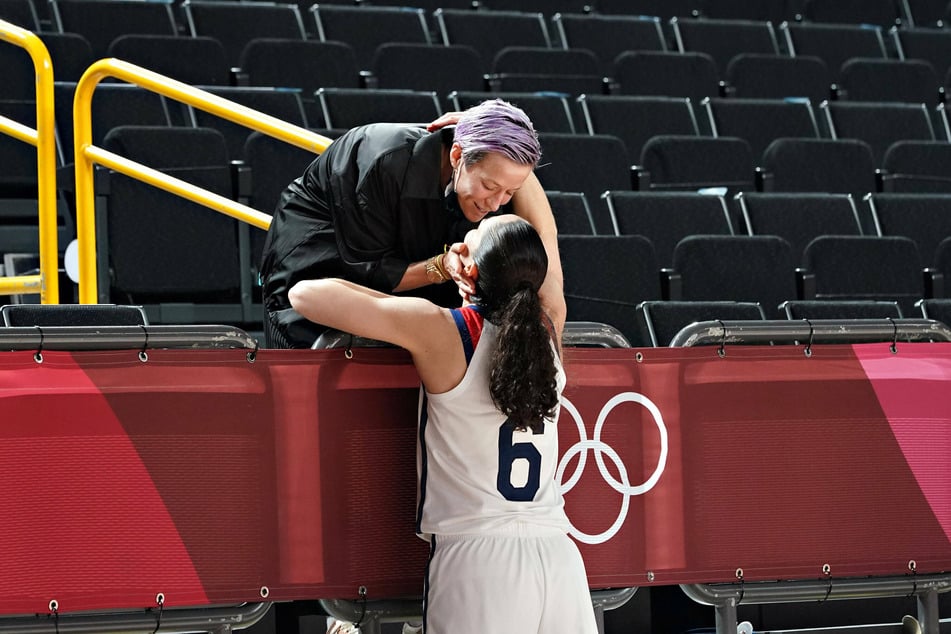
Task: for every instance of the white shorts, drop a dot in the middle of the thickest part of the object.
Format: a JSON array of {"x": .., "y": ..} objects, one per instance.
[{"x": 527, "y": 580}]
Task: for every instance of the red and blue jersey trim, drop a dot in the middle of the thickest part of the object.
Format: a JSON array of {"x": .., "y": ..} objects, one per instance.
[{"x": 469, "y": 321}]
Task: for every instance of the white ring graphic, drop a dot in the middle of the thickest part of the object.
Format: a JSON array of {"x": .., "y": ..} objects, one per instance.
[{"x": 600, "y": 448}]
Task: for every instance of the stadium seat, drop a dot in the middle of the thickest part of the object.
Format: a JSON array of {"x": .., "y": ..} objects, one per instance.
[
  {"x": 21, "y": 13},
  {"x": 665, "y": 218},
  {"x": 490, "y": 31},
  {"x": 572, "y": 213},
  {"x": 548, "y": 7},
  {"x": 664, "y": 9},
  {"x": 866, "y": 267},
  {"x": 819, "y": 165},
  {"x": 926, "y": 13},
  {"x": 102, "y": 21},
  {"x": 883, "y": 13},
  {"x": 668, "y": 74},
  {"x": 911, "y": 81},
  {"x": 350, "y": 107},
  {"x": 635, "y": 119},
  {"x": 879, "y": 124},
  {"x": 833, "y": 43},
  {"x": 774, "y": 11},
  {"x": 194, "y": 60},
  {"x": 756, "y": 76},
  {"x": 924, "y": 218},
  {"x": 542, "y": 69},
  {"x": 365, "y": 28},
  {"x": 607, "y": 36},
  {"x": 931, "y": 45},
  {"x": 549, "y": 112},
  {"x": 284, "y": 104},
  {"x": 591, "y": 164},
  {"x": 725, "y": 39},
  {"x": 234, "y": 24},
  {"x": 937, "y": 309},
  {"x": 798, "y": 218},
  {"x": 439, "y": 69},
  {"x": 181, "y": 261},
  {"x": 658, "y": 322},
  {"x": 759, "y": 122},
  {"x": 688, "y": 163},
  {"x": 72, "y": 315},
  {"x": 591, "y": 295},
  {"x": 917, "y": 166},
  {"x": 737, "y": 268},
  {"x": 841, "y": 309}
]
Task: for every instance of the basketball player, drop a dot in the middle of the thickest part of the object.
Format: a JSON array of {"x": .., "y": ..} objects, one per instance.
[{"x": 500, "y": 557}]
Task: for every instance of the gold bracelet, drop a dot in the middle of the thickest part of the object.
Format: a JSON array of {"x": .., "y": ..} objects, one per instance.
[
  {"x": 440, "y": 261},
  {"x": 433, "y": 272}
]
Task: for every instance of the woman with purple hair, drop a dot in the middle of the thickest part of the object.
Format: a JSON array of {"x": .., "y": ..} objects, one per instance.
[{"x": 387, "y": 205}]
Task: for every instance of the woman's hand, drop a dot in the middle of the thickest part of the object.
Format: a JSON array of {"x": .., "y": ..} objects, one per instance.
[
  {"x": 456, "y": 269},
  {"x": 450, "y": 118}
]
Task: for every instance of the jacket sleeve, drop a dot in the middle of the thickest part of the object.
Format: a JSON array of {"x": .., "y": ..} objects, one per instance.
[{"x": 365, "y": 209}]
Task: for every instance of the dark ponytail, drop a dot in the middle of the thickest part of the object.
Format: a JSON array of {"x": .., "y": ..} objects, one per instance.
[{"x": 512, "y": 265}]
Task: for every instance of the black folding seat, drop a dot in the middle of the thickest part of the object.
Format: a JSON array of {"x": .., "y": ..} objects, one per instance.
[
  {"x": 72, "y": 315},
  {"x": 917, "y": 166},
  {"x": 798, "y": 218},
  {"x": 350, "y": 107},
  {"x": 102, "y": 21},
  {"x": 937, "y": 309},
  {"x": 931, "y": 45},
  {"x": 366, "y": 27},
  {"x": 738, "y": 268},
  {"x": 866, "y": 267},
  {"x": 70, "y": 53},
  {"x": 669, "y": 74},
  {"x": 572, "y": 213},
  {"x": 607, "y": 36},
  {"x": 194, "y": 60},
  {"x": 439, "y": 69},
  {"x": 841, "y": 309},
  {"x": 635, "y": 120},
  {"x": 819, "y": 165},
  {"x": 610, "y": 299},
  {"x": 664, "y": 9},
  {"x": 879, "y": 124},
  {"x": 687, "y": 163},
  {"x": 755, "y": 76},
  {"x": 234, "y": 24},
  {"x": 179, "y": 260},
  {"x": 305, "y": 65},
  {"x": 925, "y": 13},
  {"x": 725, "y": 39},
  {"x": 833, "y": 43},
  {"x": 925, "y": 218},
  {"x": 22, "y": 13},
  {"x": 281, "y": 103},
  {"x": 490, "y": 31},
  {"x": 537, "y": 69},
  {"x": 760, "y": 121},
  {"x": 774, "y": 11},
  {"x": 659, "y": 322},
  {"x": 429, "y": 6},
  {"x": 548, "y": 7},
  {"x": 549, "y": 112},
  {"x": 665, "y": 218},
  {"x": 591, "y": 164},
  {"x": 883, "y": 13},
  {"x": 911, "y": 80}
]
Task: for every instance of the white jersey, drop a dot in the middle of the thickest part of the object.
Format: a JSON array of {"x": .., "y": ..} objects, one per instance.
[{"x": 476, "y": 474}]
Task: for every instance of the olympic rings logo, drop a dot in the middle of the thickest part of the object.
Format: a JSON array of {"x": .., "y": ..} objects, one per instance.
[{"x": 601, "y": 449}]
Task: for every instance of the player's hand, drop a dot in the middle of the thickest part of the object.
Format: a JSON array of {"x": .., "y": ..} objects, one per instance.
[
  {"x": 457, "y": 269},
  {"x": 450, "y": 118}
]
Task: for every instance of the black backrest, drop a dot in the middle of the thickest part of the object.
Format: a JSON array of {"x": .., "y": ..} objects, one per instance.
[
  {"x": 739, "y": 268},
  {"x": 102, "y": 21},
  {"x": 918, "y": 166},
  {"x": 820, "y": 165},
  {"x": 725, "y": 39},
  {"x": 490, "y": 31},
  {"x": 925, "y": 218},
  {"x": 669, "y": 74},
  {"x": 607, "y": 36},
  {"x": 439, "y": 69},
  {"x": 593, "y": 296},
  {"x": 659, "y": 321},
  {"x": 572, "y": 213},
  {"x": 938, "y": 309},
  {"x": 198, "y": 60},
  {"x": 367, "y": 27},
  {"x": 665, "y": 218},
  {"x": 303, "y": 64},
  {"x": 833, "y": 43},
  {"x": 693, "y": 163},
  {"x": 350, "y": 107},
  {"x": 635, "y": 119},
  {"x": 549, "y": 112},
  {"x": 72, "y": 315},
  {"x": 930, "y": 45},
  {"x": 21, "y": 13},
  {"x": 884, "y": 13},
  {"x": 911, "y": 80},
  {"x": 879, "y": 124},
  {"x": 798, "y": 218},
  {"x": 234, "y": 24},
  {"x": 664, "y": 9},
  {"x": 842, "y": 309},
  {"x": 757, "y": 76},
  {"x": 773, "y": 10},
  {"x": 760, "y": 121}
]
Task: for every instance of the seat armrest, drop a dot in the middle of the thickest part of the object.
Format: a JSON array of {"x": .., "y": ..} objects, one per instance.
[
  {"x": 805, "y": 284},
  {"x": 934, "y": 283},
  {"x": 671, "y": 284},
  {"x": 640, "y": 179}
]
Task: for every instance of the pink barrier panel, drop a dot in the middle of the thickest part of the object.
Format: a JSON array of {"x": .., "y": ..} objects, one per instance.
[{"x": 214, "y": 480}]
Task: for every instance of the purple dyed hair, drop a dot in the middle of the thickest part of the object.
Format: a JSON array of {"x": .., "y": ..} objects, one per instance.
[{"x": 497, "y": 126}]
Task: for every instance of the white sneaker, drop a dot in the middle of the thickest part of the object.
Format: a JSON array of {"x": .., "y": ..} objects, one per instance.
[
  {"x": 412, "y": 628},
  {"x": 341, "y": 627}
]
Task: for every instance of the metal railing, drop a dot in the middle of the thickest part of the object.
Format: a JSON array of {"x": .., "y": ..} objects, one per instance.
[
  {"x": 87, "y": 154},
  {"x": 43, "y": 137}
]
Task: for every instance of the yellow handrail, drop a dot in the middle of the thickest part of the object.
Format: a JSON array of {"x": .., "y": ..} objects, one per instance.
[
  {"x": 86, "y": 154},
  {"x": 43, "y": 137}
]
